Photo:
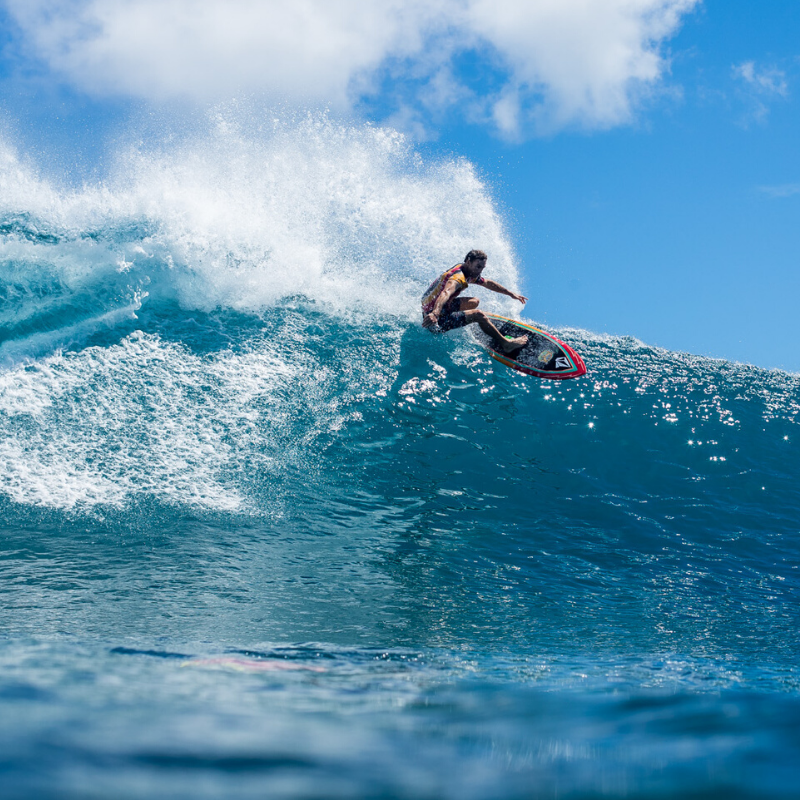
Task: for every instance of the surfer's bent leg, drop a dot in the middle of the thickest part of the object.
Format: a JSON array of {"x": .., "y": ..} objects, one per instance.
[
  {"x": 507, "y": 345},
  {"x": 452, "y": 316}
]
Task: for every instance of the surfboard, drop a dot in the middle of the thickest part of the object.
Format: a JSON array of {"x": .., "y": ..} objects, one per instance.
[{"x": 543, "y": 356}]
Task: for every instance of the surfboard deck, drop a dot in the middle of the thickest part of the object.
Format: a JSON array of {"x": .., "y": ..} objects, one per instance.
[{"x": 543, "y": 356}]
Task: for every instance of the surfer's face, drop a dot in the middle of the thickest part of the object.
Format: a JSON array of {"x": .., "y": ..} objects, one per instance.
[{"x": 474, "y": 268}]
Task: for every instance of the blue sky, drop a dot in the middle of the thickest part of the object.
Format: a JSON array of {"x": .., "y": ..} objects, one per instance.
[{"x": 644, "y": 152}]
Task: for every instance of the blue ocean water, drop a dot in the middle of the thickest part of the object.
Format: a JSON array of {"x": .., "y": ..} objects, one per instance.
[{"x": 264, "y": 536}]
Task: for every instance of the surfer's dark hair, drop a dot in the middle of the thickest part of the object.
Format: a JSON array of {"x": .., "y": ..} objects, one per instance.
[{"x": 475, "y": 255}]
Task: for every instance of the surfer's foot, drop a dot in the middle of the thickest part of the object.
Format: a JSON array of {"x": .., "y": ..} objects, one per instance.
[{"x": 509, "y": 345}]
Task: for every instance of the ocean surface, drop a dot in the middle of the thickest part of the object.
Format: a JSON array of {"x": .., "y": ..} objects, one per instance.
[{"x": 263, "y": 536}]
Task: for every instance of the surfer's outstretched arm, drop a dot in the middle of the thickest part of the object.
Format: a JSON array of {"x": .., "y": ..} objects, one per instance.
[{"x": 500, "y": 289}]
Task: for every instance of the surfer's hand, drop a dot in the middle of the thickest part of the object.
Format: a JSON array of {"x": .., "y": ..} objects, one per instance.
[
  {"x": 431, "y": 320},
  {"x": 521, "y": 298}
]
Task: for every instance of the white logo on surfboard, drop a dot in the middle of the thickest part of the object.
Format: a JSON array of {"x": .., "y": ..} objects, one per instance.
[{"x": 562, "y": 363}]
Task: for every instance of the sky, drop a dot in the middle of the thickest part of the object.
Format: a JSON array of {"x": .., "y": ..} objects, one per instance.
[{"x": 644, "y": 153}]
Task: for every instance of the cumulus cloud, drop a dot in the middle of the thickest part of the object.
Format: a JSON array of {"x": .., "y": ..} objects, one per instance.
[
  {"x": 554, "y": 63},
  {"x": 585, "y": 60}
]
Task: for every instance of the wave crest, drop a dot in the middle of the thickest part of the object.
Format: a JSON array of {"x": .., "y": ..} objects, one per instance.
[{"x": 242, "y": 215}]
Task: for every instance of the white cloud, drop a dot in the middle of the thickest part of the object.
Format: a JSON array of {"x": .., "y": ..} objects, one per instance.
[
  {"x": 765, "y": 81},
  {"x": 758, "y": 87},
  {"x": 585, "y": 59},
  {"x": 207, "y": 49},
  {"x": 556, "y": 62}
]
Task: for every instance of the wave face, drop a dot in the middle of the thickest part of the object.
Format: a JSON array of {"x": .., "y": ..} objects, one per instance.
[{"x": 226, "y": 444}]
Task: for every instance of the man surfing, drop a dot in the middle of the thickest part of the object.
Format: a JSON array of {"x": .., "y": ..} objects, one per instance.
[{"x": 442, "y": 306}]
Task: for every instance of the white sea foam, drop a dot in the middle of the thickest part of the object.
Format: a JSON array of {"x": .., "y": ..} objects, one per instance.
[{"x": 143, "y": 416}]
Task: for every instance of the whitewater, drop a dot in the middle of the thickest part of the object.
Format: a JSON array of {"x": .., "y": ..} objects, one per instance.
[{"x": 263, "y": 535}]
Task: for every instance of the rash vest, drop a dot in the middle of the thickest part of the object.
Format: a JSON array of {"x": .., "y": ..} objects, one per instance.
[{"x": 437, "y": 287}]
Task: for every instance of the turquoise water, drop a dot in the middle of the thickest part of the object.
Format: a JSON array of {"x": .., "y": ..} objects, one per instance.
[{"x": 262, "y": 535}]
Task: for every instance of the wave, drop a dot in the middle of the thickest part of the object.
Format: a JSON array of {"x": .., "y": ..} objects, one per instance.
[
  {"x": 238, "y": 296},
  {"x": 191, "y": 406},
  {"x": 648, "y": 508}
]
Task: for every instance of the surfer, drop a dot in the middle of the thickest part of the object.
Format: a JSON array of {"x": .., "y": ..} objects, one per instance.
[{"x": 442, "y": 306}]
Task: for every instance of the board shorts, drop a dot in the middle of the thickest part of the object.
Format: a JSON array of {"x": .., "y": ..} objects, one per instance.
[{"x": 451, "y": 317}]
